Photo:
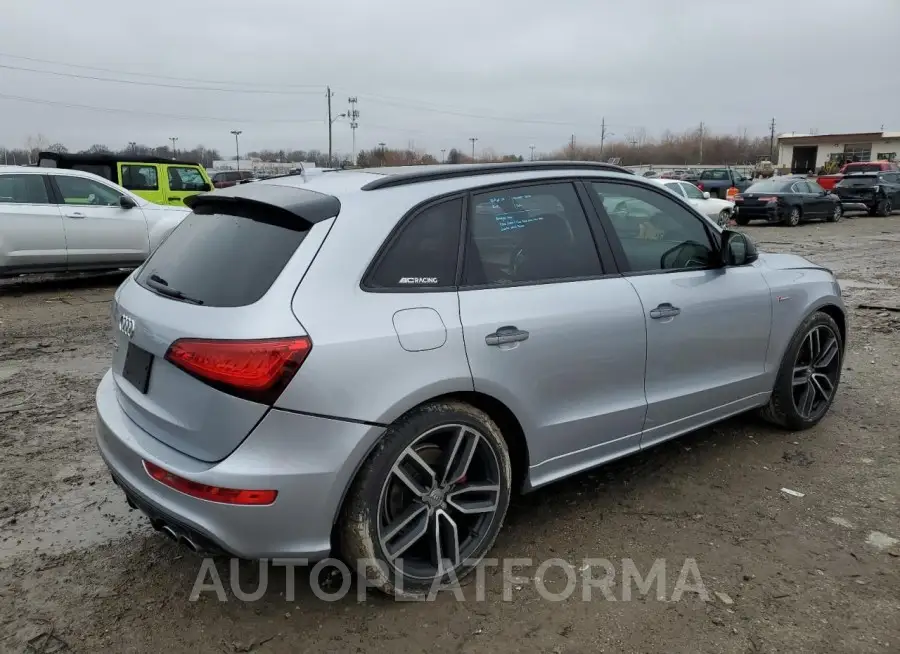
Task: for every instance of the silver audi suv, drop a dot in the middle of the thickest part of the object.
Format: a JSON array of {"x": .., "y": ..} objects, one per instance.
[{"x": 368, "y": 363}]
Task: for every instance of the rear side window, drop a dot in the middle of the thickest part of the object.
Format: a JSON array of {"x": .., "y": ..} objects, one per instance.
[
  {"x": 424, "y": 252},
  {"x": 23, "y": 189},
  {"x": 222, "y": 260},
  {"x": 104, "y": 171},
  {"x": 529, "y": 234},
  {"x": 140, "y": 178}
]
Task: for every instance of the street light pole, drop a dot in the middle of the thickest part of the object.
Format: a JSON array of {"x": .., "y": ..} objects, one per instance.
[
  {"x": 443, "y": 158},
  {"x": 382, "y": 146},
  {"x": 473, "y": 139},
  {"x": 532, "y": 151},
  {"x": 174, "y": 151},
  {"x": 237, "y": 147}
]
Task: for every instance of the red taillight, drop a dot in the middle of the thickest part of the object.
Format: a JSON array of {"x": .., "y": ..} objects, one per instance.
[
  {"x": 738, "y": 198},
  {"x": 256, "y": 370},
  {"x": 767, "y": 198},
  {"x": 210, "y": 493}
]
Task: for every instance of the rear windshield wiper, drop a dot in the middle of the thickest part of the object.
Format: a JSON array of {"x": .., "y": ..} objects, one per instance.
[{"x": 161, "y": 286}]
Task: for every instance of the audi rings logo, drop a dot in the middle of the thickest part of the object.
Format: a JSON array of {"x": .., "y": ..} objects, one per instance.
[{"x": 126, "y": 325}]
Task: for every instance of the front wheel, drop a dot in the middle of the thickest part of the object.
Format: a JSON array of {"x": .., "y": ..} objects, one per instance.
[
  {"x": 836, "y": 214},
  {"x": 724, "y": 217},
  {"x": 809, "y": 374},
  {"x": 885, "y": 207},
  {"x": 428, "y": 503}
]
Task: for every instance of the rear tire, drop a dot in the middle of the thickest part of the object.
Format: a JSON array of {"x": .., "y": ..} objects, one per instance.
[
  {"x": 793, "y": 218},
  {"x": 724, "y": 217},
  {"x": 409, "y": 505},
  {"x": 811, "y": 364},
  {"x": 743, "y": 221},
  {"x": 836, "y": 214}
]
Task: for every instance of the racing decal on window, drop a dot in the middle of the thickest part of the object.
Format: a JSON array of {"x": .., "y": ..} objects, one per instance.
[{"x": 418, "y": 280}]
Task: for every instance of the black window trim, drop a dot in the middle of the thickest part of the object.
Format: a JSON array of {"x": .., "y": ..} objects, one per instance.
[
  {"x": 122, "y": 165},
  {"x": 615, "y": 243},
  {"x": 607, "y": 263},
  {"x": 405, "y": 221},
  {"x": 51, "y": 196}
]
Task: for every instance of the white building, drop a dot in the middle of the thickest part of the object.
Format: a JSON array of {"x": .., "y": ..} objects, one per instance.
[
  {"x": 258, "y": 166},
  {"x": 809, "y": 152}
]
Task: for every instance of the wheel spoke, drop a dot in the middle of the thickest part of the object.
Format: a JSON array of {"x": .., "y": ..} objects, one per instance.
[
  {"x": 405, "y": 470},
  {"x": 413, "y": 525},
  {"x": 823, "y": 385},
  {"x": 815, "y": 345},
  {"x": 465, "y": 443},
  {"x": 808, "y": 400},
  {"x": 800, "y": 376},
  {"x": 477, "y": 498},
  {"x": 827, "y": 355},
  {"x": 445, "y": 542}
]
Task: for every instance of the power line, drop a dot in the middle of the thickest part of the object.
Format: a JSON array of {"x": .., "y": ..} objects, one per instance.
[
  {"x": 156, "y": 84},
  {"x": 167, "y": 77},
  {"x": 71, "y": 105}
]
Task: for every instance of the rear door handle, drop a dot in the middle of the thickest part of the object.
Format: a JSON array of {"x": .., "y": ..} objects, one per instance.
[
  {"x": 664, "y": 310},
  {"x": 504, "y": 335},
  {"x": 75, "y": 214}
]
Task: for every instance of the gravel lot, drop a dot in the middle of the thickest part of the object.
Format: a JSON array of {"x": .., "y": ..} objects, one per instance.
[{"x": 80, "y": 572}]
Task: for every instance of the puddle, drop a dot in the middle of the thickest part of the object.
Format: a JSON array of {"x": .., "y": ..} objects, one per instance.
[{"x": 81, "y": 517}]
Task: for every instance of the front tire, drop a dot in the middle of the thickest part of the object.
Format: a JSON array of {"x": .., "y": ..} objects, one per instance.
[
  {"x": 429, "y": 501},
  {"x": 793, "y": 218},
  {"x": 724, "y": 217},
  {"x": 809, "y": 375},
  {"x": 885, "y": 208}
]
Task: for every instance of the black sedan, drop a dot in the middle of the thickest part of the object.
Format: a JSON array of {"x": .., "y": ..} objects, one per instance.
[
  {"x": 878, "y": 192},
  {"x": 789, "y": 200}
]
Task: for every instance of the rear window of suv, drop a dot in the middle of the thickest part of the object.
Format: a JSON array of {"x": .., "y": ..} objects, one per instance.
[{"x": 221, "y": 260}]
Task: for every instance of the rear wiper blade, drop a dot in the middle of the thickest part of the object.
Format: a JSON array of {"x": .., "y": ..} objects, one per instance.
[{"x": 161, "y": 286}]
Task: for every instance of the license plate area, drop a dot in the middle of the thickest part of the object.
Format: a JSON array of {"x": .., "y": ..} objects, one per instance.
[{"x": 136, "y": 369}]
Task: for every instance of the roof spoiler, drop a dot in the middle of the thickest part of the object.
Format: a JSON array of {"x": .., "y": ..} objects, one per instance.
[{"x": 288, "y": 206}]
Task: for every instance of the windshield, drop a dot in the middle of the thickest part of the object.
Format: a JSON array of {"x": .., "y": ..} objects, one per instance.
[
  {"x": 858, "y": 180},
  {"x": 769, "y": 186},
  {"x": 862, "y": 168}
]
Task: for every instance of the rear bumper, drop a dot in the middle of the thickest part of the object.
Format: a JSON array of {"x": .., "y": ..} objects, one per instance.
[
  {"x": 765, "y": 212},
  {"x": 309, "y": 460}
]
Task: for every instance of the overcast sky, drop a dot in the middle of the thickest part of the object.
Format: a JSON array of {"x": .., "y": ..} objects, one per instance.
[{"x": 509, "y": 72}]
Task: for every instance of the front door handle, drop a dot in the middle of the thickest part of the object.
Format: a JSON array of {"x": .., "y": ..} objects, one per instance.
[
  {"x": 504, "y": 335},
  {"x": 75, "y": 214},
  {"x": 664, "y": 310}
]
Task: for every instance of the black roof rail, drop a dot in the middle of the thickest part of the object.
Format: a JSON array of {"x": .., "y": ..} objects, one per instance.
[
  {"x": 66, "y": 158},
  {"x": 451, "y": 171}
]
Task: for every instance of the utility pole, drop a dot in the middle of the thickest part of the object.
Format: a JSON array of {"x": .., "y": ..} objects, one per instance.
[
  {"x": 532, "y": 151},
  {"x": 353, "y": 115},
  {"x": 328, "y": 95},
  {"x": 473, "y": 139},
  {"x": 174, "y": 151},
  {"x": 701, "y": 141},
  {"x": 443, "y": 158},
  {"x": 572, "y": 146},
  {"x": 772, "y": 141},
  {"x": 237, "y": 147},
  {"x": 602, "y": 134}
]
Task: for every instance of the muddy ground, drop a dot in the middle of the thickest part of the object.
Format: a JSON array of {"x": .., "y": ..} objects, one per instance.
[{"x": 80, "y": 572}]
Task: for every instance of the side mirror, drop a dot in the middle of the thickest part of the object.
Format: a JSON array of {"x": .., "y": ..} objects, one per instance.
[
  {"x": 706, "y": 195},
  {"x": 737, "y": 249},
  {"x": 126, "y": 202},
  {"x": 206, "y": 186}
]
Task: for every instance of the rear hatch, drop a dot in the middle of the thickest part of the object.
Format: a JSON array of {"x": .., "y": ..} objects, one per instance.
[
  {"x": 205, "y": 335},
  {"x": 856, "y": 187}
]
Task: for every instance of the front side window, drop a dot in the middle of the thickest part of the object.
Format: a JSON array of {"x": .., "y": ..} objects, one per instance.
[
  {"x": 136, "y": 177},
  {"x": 23, "y": 189},
  {"x": 656, "y": 233},
  {"x": 529, "y": 234},
  {"x": 185, "y": 178},
  {"x": 425, "y": 251},
  {"x": 675, "y": 187},
  {"x": 691, "y": 191},
  {"x": 81, "y": 191}
]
